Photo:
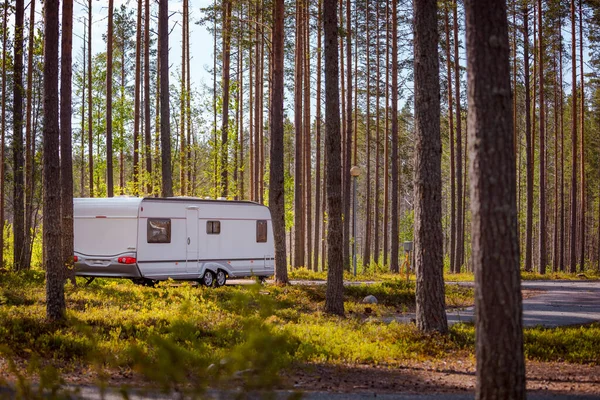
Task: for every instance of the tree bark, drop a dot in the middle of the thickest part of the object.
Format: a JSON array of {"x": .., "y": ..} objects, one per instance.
[
  {"x": 498, "y": 315},
  {"x": 334, "y": 297},
  {"x": 582, "y": 206},
  {"x": 317, "y": 237},
  {"x": 572, "y": 244},
  {"x": 394, "y": 267},
  {"x": 3, "y": 127},
  {"x": 90, "y": 124},
  {"x": 136, "y": 102},
  {"x": 109, "y": 87},
  {"x": 451, "y": 136},
  {"x": 29, "y": 154},
  {"x": 225, "y": 117},
  {"x": 147, "y": 135},
  {"x": 376, "y": 196},
  {"x": 17, "y": 142},
  {"x": 429, "y": 264},
  {"x": 66, "y": 147},
  {"x": 528, "y": 145},
  {"x": 307, "y": 141},
  {"x": 367, "y": 237},
  {"x": 165, "y": 117},
  {"x": 348, "y": 142},
  {"x": 542, "y": 178},
  {"x": 299, "y": 168},
  {"x": 53, "y": 260},
  {"x": 460, "y": 209},
  {"x": 276, "y": 177}
]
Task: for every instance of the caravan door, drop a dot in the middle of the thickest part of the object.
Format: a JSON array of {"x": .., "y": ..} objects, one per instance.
[{"x": 193, "y": 238}]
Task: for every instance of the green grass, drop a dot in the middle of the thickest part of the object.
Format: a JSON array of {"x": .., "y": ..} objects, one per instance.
[{"x": 186, "y": 336}]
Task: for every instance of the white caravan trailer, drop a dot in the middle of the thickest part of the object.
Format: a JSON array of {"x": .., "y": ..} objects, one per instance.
[{"x": 150, "y": 239}]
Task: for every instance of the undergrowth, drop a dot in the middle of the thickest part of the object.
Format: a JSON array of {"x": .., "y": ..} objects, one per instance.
[{"x": 184, "y": 337}]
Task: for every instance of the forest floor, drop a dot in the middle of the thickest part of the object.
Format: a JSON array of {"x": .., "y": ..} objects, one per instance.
[{"x": 182, "y": 337}]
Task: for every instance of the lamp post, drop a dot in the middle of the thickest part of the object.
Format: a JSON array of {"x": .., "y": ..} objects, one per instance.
[{"x": 354, "y": 172}]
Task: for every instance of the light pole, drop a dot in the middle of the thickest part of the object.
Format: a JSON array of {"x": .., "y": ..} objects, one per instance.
[{"x": 354, "y": 172}]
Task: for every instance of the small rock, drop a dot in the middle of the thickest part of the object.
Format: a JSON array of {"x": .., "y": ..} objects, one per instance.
[
  {"x": 370, "y": 299},
  {"x": 368, "y": 310}
]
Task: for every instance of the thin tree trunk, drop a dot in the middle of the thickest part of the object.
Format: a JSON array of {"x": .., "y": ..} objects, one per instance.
[
  {"x": 377, "y": 142},
  {"x": 573, "y": 229},
  {"x": 582, "y": 207},
  {"x": 348, "y": 143},
  {"x": 386, "y": 167},
  {"x": 367, "y": 237},
  {"x": 334, "y": 297},
  {"x": 394, "y": 206},
  {"x": 3, "y": 127},
  {"x": 299, "y": 169},
  {"x": 28, "y": 141},
  {"x": 555, "y": 233},
  {"x": 561, "y": 256},
  {"x": 460, "y": 208},
  {"x": 307, "y": 140},
  {"x": 529, "y": 145},
  {"x": 429, "y": 263},
  {"x": 451, "y": 135},
  {"x": 121, "y": 125},
  {"x": 318, "y": 143},
  {"x": 499, "y": 341},
  {"x": 17, "y": 142},
  {"x": 184, "y": 144},
  {"x": 542, "y": 178},
  {"x": 66, "y": 148},
  {"x": 136, "y": 102},
  {"x": 225, "y": 121},
  {"x": 53, "y": 260},
  {"x": 147, "y": 135},
  {"x": 83, "y": 102},
  {"x": 109, "y": 87},
  {"x": 90, "y": 122}
]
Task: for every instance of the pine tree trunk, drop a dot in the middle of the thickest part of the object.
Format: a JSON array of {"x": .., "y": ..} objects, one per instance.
[
  {"x": 183, "y": 112},
  {"x": 307, "y": 140},
  {"x": 460, "y": 208},
  {"x": 109, "y": 87},
  {"x": 386, "y": 166},
  {"x": 367, "y": 237},
  {"x": 394, "y": 267},
  {"x": 136, "y": 102},
  {"x": 334, "y": 297},
  {"x": 561, "y": 255},
  {"x": 451, "y": 136},
  {"x": 28, "y": 142},
  {"x": 90, "y": 122},
  {"x": 299, "y": 169},
  {"x": 165, "y": 118},
  {"x": 429, "y": 263},
  {"x": 499, "y": 341},
  {"x": 53, "y": 260},
  {"x": 573, "y": 228},
  {"x": 276, "y": 177},
  {"x": 528, "y": 146},
  {"x": 147, "y": 135},
  {"x": 3, "y": 127},
  {"x": 542, "y": 178},
  {"x": 555, "y": 251},
  {"x": 377, "y": 143},
  {"x": 318, "y": 143},
  {"x": 225, "y": 121},
  {"x": 348, "y": 142},
  {"x": 582, "y": 211},
  {"x": 17, "y": 142}
]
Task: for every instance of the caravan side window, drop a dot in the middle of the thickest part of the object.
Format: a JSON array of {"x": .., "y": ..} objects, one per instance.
[
  {"x": 261, "y": 231},
  {"x": 159, "y": 230},
  {"x": 213, "y": 227}
]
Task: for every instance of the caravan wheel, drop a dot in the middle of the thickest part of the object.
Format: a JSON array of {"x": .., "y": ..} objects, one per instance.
[
  {"x": 208, "y": 278},
  {"x": 221, "y": 278}
]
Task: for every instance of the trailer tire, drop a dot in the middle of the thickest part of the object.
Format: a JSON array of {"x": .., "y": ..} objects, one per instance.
[
  {"x": 221, "y": 278},
  {"x": 208, "y": 279}
]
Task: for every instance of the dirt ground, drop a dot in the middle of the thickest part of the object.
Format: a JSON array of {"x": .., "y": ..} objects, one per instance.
[{"x": 438, "y": 377}]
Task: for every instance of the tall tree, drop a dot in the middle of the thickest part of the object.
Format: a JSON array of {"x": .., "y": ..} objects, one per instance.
[
  {"x": 460, "y": 212},
  {"x": 394, "y": 267},
  {"x": 495, "y": 240},
  {"x": 276, "y": 177},
  {"x": 542, "y": 178},
  {"x": 429, "y": 264},
  {"x": 334, "y": 297},
  {"x": 183, "y": 145},
  {"x": 136, "y": 101},
  {"x": 3, "y": 125},
  {"x": 147, "y": 135},
  {"x": 582, "y": 205},
  {"x": 451, "y": 137},
  {"x": 225, "y": 122},
  {"x": 109, "y": 89},
  {"x": 299, "y": 169},
  {"x": 367, "y": 237},
  {"x": 317, "y": 236},
  {"x": 66, "y": 148},
  {"x": 376, "y": 196},
  {"x": 29, "y": 143},
  {"x": 53, "y": 260},
  {"x": 572, "y": 243},
  {"x": 307, "y": 141},
  {"x": 528, "y": 145},
  {"x": 90, "y": 124},
  {"x": 165, "y": 115},
  {"x": 17, "y": 141},
  {"x": 348, "y": 142}
]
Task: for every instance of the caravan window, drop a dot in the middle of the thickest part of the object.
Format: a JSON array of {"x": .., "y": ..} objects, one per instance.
[
  {"x": 213, "y": 227},
  {"x": 159, "y": 230},
  {"x": 261, "y": 231}
]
